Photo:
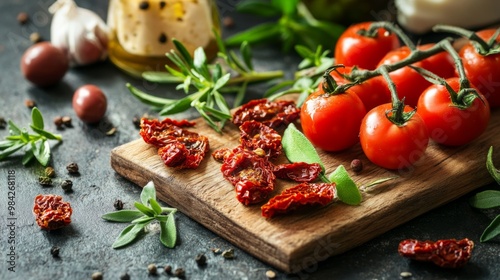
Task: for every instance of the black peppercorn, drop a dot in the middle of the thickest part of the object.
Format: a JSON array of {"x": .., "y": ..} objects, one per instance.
[
  {"x": 30, "y": 103},
  {"x": 118, "y": 204},
  {"x": 22, "y": 18},
  {"x": 58, "y": 121},
  {"x": 50, "y": 172},
  {"x": 3, "y": 123},
  {"x": 67, "y": 185},
  {"x": 152, "y": 269},
  {"x": 125, "y": 276},
  {"x": 45, "y": 181},
  {"x": 96, "y": 276},
  {"x": 356, "y": 165},
  {"x": 144, "y": 5},
  {"x": 162, "y": 38},
  {"x": 67, "y": 121},
  {"x": 72, "y": 168},
  {"x": 201, "y": 259},
  {"x": 54, "y": 251},
  {"x": 168, "y": 269},
  {"x": 179, "y": 272}
]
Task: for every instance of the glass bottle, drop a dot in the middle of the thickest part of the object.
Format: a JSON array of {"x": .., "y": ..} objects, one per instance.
[{"x": 142, "y": 31}]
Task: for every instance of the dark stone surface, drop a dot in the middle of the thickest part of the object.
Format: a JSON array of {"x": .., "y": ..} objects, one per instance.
[{"x": 85, "y": 246}]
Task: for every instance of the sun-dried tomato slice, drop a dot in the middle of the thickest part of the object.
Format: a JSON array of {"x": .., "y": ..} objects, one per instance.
[
  {"x": 448, "y": 253},
  {"x": 256, "y": 136},
  {"x": 178, "y": 147},
  {"x": 251, "y": 175},
  {"x": 298, "y": 171},
  {"x": 310, "y": 194},
  {"x": 275, "y": 114},
  {"x": 51, "y": 212},
  {"x": 220, "y": 154}
]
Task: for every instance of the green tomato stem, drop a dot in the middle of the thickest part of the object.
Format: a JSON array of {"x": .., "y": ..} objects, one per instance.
[
  {"x": 392, "y": 28},
  {"x": 483, "y": 47}
]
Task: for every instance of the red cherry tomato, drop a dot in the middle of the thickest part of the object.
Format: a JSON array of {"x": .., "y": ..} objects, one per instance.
[
  {"x": 448, "y": 124},
  {"x": 410, "y": 84},
  {"x": 89, "y": 103},
  {"x": 483, "y": 71},
  {"x": 372, "y": 92},
  {"x": 352, "y": 48},
  {"x": 331, "y": 121},
  {"x": 389, "y": 145}
]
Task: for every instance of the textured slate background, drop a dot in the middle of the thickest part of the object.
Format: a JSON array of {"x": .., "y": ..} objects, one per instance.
[{"x": 85, "y": 246}]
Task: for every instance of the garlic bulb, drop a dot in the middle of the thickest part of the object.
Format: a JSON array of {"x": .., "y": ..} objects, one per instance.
[
  {"x": 419, "y": 16},
  {"x": 79, "y": 32}
]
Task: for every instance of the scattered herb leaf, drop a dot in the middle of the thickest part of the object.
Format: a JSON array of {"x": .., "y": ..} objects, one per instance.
[
  {"x": 298, "y": 148},
  {"x": 491, "y": 231},
  {"x": 347, "y": 191}
]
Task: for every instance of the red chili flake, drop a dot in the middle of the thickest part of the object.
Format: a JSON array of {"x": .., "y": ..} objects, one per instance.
[
  {"x": 255, "y": 135},
  {"x": 449, "y": 253},
  {"x": 51, "y": 212},
  {"x": 298, "y": 171},
  {"x": 301, "y": 195},
  {"x": 177, "y": 147},
  {"x": 250, "y": 174},
  {"x": 274, "y": 114}
]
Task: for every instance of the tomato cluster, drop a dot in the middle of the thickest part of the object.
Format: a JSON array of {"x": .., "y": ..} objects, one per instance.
[{"x": 443, "y": 104}]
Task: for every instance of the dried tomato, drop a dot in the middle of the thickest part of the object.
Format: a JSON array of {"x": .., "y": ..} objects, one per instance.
[
  {"x": 220, "y": 154},
  {"x": 51, "y": 212},
  {"x": 251, "y": 175},
  {"x": 255, "y": 136},
  {"x": 274, "y": 114},
  {"x": 298, "y": 171},
  {"x": 178, "y": 147},
  {"x": 300, "y": 195},
  {"x": 450, "y": 253}
]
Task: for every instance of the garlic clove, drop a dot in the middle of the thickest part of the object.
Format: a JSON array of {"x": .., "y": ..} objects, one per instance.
[{"x": 79, "y": 32}]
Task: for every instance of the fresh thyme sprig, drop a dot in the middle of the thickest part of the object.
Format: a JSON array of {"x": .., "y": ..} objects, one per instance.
[
  {"x": 35, "y": 145},
  {"x": 148, "y": 210},
  {"x": 209, "y": 80}
]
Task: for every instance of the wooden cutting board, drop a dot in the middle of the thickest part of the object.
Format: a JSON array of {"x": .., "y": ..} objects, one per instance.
[{"x": 297, "y": 241}]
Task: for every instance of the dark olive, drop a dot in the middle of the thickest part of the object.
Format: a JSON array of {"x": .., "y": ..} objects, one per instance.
[
  {"x": 89, "y": 103},
  {"x": 43, "y": 64}
]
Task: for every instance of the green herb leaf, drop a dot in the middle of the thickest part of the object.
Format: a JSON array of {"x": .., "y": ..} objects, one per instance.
[
  {"x": 491, "y": 167},
  {"x": 128, "y": 235},
  {"x": 148, "y": 192},
  {"x": 161, "y": 77},
  {"x": 37, "y": 118},
  {"x": 246, "y": 52},
  {"x": 12, "y": 149},
  {"x": 184, "y": 52},
  {"x": 288, "y": 7},
  {"x": 259, "y": 8},
  {"x": 148, "y": 99},
  {"x": 177, "y": 106},
  {"x": 144, "y": 209},
  {"x": 41, "y": 151},
  {"x": 162, "y": 218},
  {"x": 492, "y": 230},
  {"x": 486, "y": 199},
  {"x": 257, "y": 34},
  {"x": 168, "y": 231},
  {"x": 347, "y": 190},
  {"x": 143, "y": 219},
  {"x": 28, "y": 157},
  {"x": 46, "y": 134},
  {"x": 298, "y": 148},
  {"x": 122, "y": 216},
  {"x": 13, "y": 129},
  {"x": 155, "y": 206}
]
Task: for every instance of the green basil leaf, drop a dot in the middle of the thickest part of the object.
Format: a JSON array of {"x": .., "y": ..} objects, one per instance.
[
  {"x": 486, "y": 199},
  {"x": 155, "y": 206},
  {"x": 13, "y": 129},
  {"x": 37, "y": 118},
  {"x": 288, "y": 7},
  {"x": 41, "y": 151},
  {"x": 491, "y": 167},
  {"x": 184, "y": 52},
  {"x": 149, "y": 99},
  {"x": 28, "y": 157},
  {"x": 128, "y": 235},
  {"x": 492, "y": 230},
  {"x": 298, "y": 148},
  {"x": 246, "y": 52},
  {"x": 161, "y": 77},
  {"x": 148, "y": 192},
  {"x": 263, "y": 32},
  {"x": 122, "y": 216},
  {"x": 12, "y": 149},
  {"x": 143, "y": 219},
  {"x": 168, "y": 232},
  {"x": 347, "y": 191},
  {"x": 259, "y": 8},
  {"x": 46, "y": 134},
  {"x": 144, "y": 209}
]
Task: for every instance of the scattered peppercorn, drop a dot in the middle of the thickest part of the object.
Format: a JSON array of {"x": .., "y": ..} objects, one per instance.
[
  {"x": 152, "y": 269},
  {"x": 125, "y": 276},
  {"x": 111, "y": 132},
  {"x": 168, "y": 269},
  {"x": 162, "y": 4},
  {"x": 270, "y": 274},
  {"x": 3, "y": 123},
  {"x": 50, "y": 172},
  {"x": 228, "y": 254},
  {"x": 96, "y": 276},
  {"x": 216, "y": 251},
  {"x": 162, "y": 38},
  {"x": 22, "y": 18},
  {"x": 201, "y": 259},
  {"x": 35, "y": 37},
  {"x": 136, "y": 121},
  {"x": 118, "y": 204},
  {"x": 144, "y": 5},
  {"x": 30, "y": 103},
  {"x": 72, "y": 168},
  {"x": 45, "y": 181},
  {"x": 405, "y": 274},
  {"x": 67, "y": 121},
  {"x": 58, "y": 122},
  {"x": 67, "y": 185},
  {"x": 179, "y": 272},
  {"x": 54, "y": 251},
  {"x": 356, "y": 165},
  {"x": 228, "y": 21}
]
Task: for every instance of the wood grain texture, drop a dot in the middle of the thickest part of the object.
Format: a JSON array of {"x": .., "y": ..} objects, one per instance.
[{"x": 294, "y": 242}]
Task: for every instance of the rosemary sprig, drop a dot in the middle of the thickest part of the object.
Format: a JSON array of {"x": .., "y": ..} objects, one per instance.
[
  {"x": 210, "y": 81},
  {"x": 36, "y": 146},
  {"x": 148, "y": 210}
]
